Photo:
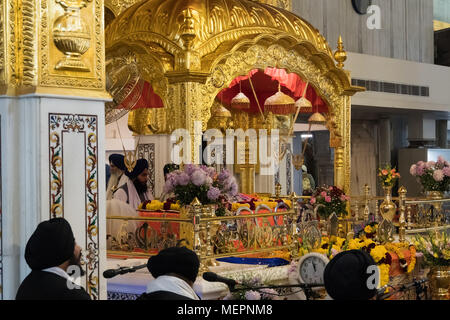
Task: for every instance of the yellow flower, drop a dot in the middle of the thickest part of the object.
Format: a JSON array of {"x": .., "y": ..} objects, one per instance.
[
  {"x": 322, "y": 251},
  {"x": 384, "y": 274},
  {"x": 435, "y": 255},
  {"x": 367, "y": 242},
  {"x": 154, "y": 205},
  {"x": 340, "y": 242},
  {"x": 354, "y": 244},
  {"x": 378, "y": 253},
  {"x": 140, "y": 206},
  {"x": 236, "y": 206},
  {"x": 175, "y": 206}
]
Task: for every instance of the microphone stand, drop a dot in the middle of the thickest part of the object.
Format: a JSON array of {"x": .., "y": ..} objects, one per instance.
[
  {"x": 418, "y": 285},
  {"x": 124, "y": 270},
  {"x": 307, "y": 288}
]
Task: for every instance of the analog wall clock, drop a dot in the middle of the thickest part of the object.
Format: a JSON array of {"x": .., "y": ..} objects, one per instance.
[
  {"x": 311, "y": 268},
  {"x": 361, "y": 6}
]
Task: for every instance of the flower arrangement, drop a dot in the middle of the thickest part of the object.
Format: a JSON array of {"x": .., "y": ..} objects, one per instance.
[
  {"x": 434, "y": 176},
  {"x": 201, "y": 182},
  {"x": 435, "y": 248},
  {"x": 381, "y": 254},
  {"x": 261, "y": 294},
  {"x": 156, "y": 205},
  {"x": 388, "y": 176},
  {"x": 330, "y": 199}
]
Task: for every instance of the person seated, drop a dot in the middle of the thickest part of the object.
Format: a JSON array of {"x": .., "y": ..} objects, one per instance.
[
  {"x": 135, "y": 190},
  {"x": 117, "y": 177},
  {"x": 49, "y": 252},
  {"x": 175, "y": 271},
  {"x": 346, "y": 276}
]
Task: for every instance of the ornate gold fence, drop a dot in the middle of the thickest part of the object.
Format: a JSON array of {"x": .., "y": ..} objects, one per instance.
[
  {"x": 244, "y": 233},
  {"x": 414, "y": 215}
]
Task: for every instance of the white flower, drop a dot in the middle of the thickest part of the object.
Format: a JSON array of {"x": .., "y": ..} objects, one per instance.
[{"x": 252, "y": 295}]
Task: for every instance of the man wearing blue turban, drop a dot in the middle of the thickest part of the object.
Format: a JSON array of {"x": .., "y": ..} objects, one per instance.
[
  {"x": 117, "y": 178},
  {"x": 135, "y": 191}
]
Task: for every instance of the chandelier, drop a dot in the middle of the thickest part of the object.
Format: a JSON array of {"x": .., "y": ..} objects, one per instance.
[{"x": 280, "y": 103}]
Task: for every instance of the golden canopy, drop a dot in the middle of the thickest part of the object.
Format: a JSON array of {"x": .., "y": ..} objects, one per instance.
[{"x": 190, "y": 50}]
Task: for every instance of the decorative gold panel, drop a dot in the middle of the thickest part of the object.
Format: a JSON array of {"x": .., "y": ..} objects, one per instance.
[{"x": 52, "y": 46}]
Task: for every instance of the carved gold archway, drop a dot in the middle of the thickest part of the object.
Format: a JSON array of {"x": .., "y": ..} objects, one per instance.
[{"x": 190, "y": 50}]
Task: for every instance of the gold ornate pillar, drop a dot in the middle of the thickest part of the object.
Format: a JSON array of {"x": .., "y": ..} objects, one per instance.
[{"x": 52, "y": 47}]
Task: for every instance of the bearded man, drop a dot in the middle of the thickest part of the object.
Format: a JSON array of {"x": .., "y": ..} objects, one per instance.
[
  {"x": 135, "y": 191},
  {"x": 49, "y": 252},
  {"x": 117, "y": 178}
]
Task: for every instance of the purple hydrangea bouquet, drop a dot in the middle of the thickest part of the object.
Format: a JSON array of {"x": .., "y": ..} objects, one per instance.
[
  {"x": 434, "y": 176},
  {"x": 202, "y": 182}
]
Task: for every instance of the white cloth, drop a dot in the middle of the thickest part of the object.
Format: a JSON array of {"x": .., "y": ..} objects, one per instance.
[
  {"x": 172, "y": 284},
  {"x": 114, "y": 183},
  {"x": 58, "y": 271},
  {"x": 133, "y": 198}
]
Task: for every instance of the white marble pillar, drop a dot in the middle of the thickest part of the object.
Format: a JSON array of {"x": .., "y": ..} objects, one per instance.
[{"x": 52, "y": 165}]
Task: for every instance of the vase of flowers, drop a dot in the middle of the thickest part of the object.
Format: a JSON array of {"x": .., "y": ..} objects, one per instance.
[
  {"x": 328, "y": 200},
  {"x": 436, "y": 251},
  {"x": 201, "y": 182},
  {"x": 433, "y": 176},
  {"x": 388, "y": 178}
]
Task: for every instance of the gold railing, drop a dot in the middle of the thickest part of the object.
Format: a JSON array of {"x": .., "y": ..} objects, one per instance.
[
  {"x": 415, "y": 214},
  {"x": 211, "y": 237}
]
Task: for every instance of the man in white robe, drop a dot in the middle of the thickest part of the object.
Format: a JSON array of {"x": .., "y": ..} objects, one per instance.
[
  {"x": 135, "y": 191},
  {"x": 118, "y": 177}
]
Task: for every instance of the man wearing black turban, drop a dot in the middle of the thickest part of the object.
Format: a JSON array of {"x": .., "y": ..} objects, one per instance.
[
  {"x": 347, "y": 275},
  {"x": 175, "y": 270},
  {"x": 49, "y": 252},
  {"x": 135, "y": 191},
  {"x": 117, "y": 178}
]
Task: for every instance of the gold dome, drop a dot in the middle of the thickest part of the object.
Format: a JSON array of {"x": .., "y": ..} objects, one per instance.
[{"x": 206, "y": 24}]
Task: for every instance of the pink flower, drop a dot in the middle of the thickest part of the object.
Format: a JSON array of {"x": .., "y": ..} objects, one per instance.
[
  {"x": 328, "y": 199},
  {"x": 446, "y": 171},
  {"x": 413, "y": 170},
  {"x": 420, "y": 170},
  {"x": 198, "y": 177},
  {"x": 441, "y": 160},
  {"x": 182, "y": 179},
  {"x": 430, "y": 164},
  {"x": 438, "y": 175},
  {"x": 323, "y": 194},
  {"x": 313, "y": 200},
  {"x": 252, "y": 295}
]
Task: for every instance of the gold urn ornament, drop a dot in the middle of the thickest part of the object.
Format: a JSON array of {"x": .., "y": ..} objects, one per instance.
[
  {"x": 71, "y": 35},
  {"x": 388, "y": 208},
  {"x": 439, "y": 277}
]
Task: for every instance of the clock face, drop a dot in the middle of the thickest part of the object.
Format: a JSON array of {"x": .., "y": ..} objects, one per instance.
[
  {"x": 361, "y": 6},
  {"x": 312, "y": 267}
]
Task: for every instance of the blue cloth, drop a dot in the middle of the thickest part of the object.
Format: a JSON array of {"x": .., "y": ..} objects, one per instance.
[{"x": 270, "y": 262}]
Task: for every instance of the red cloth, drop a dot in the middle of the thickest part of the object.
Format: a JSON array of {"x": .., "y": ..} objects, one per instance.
[
  {"x": 142, "y": 96},
  {"x": 265, "y": 84}
]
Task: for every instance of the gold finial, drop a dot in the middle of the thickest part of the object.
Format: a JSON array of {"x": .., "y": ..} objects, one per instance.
[
  {"x": 196, "y": 202},
  {"x": 294, "y": 195},
  {"x": 187, "y": 29},
  {"x": 277, "y": 190},
  {"x": 402, "y": 190},
  {"x": 340, "y": 55}
]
